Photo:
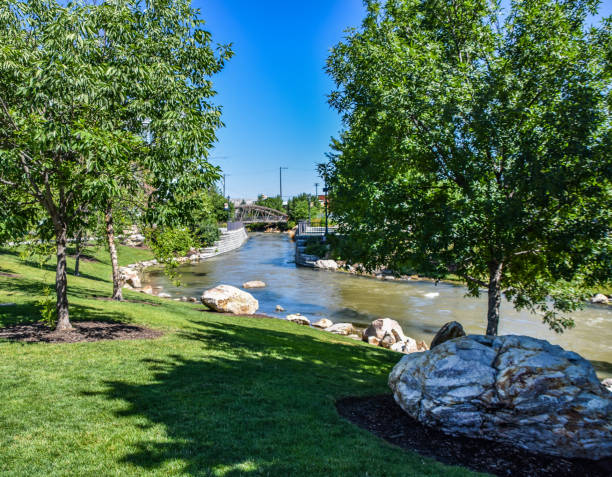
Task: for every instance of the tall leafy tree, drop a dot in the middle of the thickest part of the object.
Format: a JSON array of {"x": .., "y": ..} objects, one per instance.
[
  {"x": 98, "y": 99},
  {"x": 275, "y": 203},
  {"x": 477, "y": 141}
]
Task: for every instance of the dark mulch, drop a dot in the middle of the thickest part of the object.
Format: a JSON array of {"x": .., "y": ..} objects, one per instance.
[
  {"x": 382, "y": 416},
  {"x": 83, "y": 331}
]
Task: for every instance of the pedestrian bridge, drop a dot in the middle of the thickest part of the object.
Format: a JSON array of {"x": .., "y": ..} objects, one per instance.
[{"x": 251, "y": 214}]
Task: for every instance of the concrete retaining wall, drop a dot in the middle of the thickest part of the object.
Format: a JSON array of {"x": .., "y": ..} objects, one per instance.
[{"x": 228, "y": 241}]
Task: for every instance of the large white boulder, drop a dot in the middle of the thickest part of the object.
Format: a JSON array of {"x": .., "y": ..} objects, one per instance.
[
  {"x": 229, "y": 299},
  {"x": 513, "y": 389},
  {"x": 326, "y": 264}
]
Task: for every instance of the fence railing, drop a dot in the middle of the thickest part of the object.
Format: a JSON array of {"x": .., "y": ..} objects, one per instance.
[{"x": 305, "y": 229}]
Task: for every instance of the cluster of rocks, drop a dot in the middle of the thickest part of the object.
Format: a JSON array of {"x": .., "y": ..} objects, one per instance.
[
  {"x": 132, "y": 237},
  {"x": 383, "y": 332},
  {"x": 130, "y": 274},
  {"x": 514, "y": 389},
  {"x": 388, "y": 333},
  {"x": 356, "y": 269}
]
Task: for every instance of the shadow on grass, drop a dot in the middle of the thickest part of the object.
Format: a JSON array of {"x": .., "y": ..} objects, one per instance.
[
  {"x": 24, "y": 313},
  {"x": 261, "y": 403}
]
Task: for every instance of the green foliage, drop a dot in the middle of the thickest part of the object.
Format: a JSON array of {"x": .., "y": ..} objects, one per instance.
[
  {"x": 315, "y": 246},
  {"x": 297, "y": 207},
  {"x": 478, "y": 143},
  {"x": 168, "y": 244},
  {"x": 275, "y": 203},
  {"x": 106, "y": 102},
  {"x": 46, "y": 305},
  {"x": 40, "y": 253},
  {"x": 207, "y": 232}
]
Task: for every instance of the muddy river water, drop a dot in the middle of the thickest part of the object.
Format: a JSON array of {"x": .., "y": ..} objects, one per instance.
[{"x": 421, "y": 307}]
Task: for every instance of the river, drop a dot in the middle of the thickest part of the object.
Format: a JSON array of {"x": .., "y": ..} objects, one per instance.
[{"x": 421, "y": 307}]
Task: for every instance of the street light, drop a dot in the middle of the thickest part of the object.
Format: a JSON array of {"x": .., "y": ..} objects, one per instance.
[{"x": 325, "y": 189}]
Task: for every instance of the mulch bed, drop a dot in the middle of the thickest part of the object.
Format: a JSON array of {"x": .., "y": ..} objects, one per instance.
[
  {"x": 83, "y": 331},
  {"x": 383, "y": 417}
]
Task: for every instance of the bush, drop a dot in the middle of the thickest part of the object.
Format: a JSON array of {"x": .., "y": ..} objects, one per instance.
[
  {"x": 207, "y": 232},
  {"x": 314, "y": 246}
]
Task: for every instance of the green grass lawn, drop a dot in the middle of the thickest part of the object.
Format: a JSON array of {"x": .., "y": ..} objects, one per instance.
[{"x": 216, "y": 395}]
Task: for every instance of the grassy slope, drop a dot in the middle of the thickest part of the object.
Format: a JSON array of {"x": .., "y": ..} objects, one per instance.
[{"x": 216, "y": 395}]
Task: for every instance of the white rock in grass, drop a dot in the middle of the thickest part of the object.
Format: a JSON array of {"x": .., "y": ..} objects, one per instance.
[
  {"x": 299, "y": 319},
  {"x": 229, "y": 299},
  {"x": 323, "y": 323}
]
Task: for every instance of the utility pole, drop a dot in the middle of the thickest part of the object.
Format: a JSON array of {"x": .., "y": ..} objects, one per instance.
[
  {"x": 280, "y": 175},
  {"x": 309, "y": 201},
  {"x": 317, "y": 190}
]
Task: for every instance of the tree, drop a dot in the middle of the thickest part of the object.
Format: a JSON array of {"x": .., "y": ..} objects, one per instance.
[
  {"x": 297, "y": 207},
  {"x": 94, "y": 98},
  {"x": 275, "y": 203},
  {"x": 477, "y": 142}
]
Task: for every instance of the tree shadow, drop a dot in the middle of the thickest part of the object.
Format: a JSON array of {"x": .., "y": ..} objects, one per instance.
[
  {"x": 33, "y": 287},
  {"x": 24, "y": 313},
  {"x": 241, "y": 407}
]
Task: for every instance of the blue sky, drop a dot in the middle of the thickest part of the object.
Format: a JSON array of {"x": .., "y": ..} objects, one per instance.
[{"x": 274, "y": 90}]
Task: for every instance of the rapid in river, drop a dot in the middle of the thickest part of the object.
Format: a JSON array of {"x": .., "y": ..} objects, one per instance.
[{"x": 421, "y": 307}]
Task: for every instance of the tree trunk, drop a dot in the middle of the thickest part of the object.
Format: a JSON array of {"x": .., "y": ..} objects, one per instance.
[
  {"x": 495, "y": 275},
  {"x": 61, "y": 281},
  {"x": 78, "y": 248},
  {"x": 110, "y": 236}
]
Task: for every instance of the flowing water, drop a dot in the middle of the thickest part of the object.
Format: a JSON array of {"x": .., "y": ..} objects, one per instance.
[{"x": 421, "y": 307}]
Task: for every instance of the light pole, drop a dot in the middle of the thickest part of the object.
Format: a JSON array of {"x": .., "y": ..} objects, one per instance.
[
  {"x": 280, "y": 176},
  {"x": 316, "y": 184},
  {"x": 325, "y": 190},
  {"x": 229, "y": 210}
]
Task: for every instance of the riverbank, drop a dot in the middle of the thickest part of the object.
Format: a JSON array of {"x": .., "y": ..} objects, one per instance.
[{"x": 215, "y": 395}]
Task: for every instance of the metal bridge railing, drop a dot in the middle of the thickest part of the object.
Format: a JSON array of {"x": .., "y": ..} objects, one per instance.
[{"x": 305, "y": 229}]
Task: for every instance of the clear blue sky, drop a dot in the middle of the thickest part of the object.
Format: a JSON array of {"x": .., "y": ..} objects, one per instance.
[{"x": 274, "y": 90}]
